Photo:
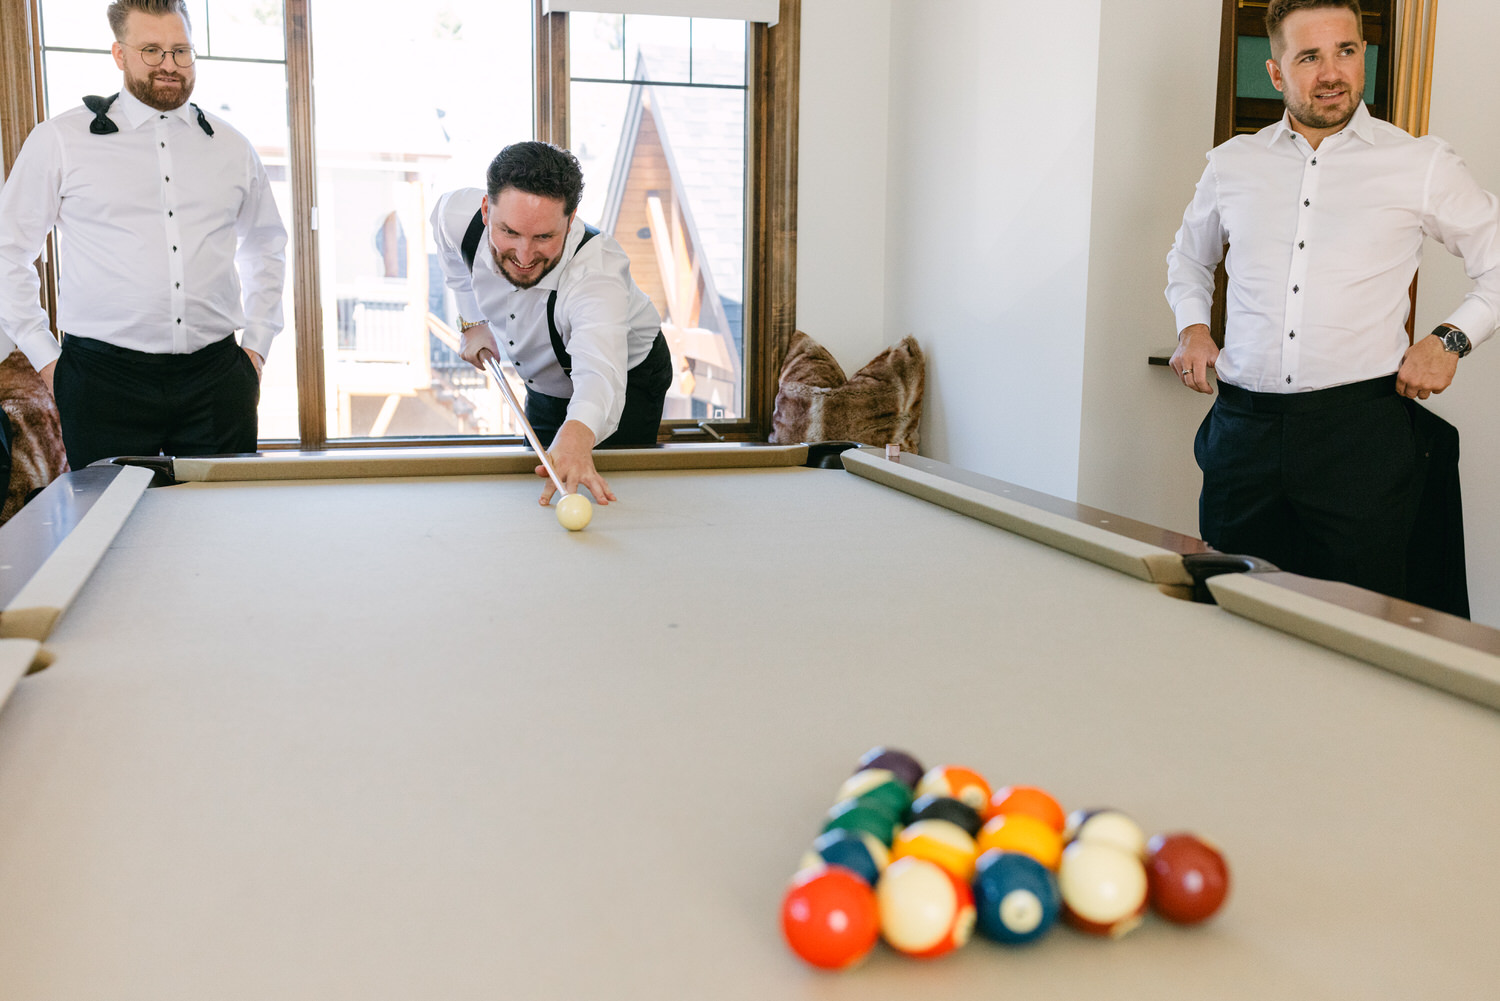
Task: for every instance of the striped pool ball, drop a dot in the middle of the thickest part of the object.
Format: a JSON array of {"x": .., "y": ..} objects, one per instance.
[
  {"x": 878, "y": 786},
  {"x": 1103, "y": 888},
  {"x": 1015, "y": 897},
  {"x": 858, "y": 851},
  {"x": 856, "y": 815},
  {"x": 963, "y": 784},
  {"x": 940, "y": 842},
  {"x": 924, "y": 910},
  {"x": 1105, "y": 826}
]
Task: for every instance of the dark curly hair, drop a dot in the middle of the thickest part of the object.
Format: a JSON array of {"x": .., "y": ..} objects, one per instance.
[
  {"x": 1278, "y": 11},
  {"x": 118, "y": 11},
  {"x": 537, "y": 168}
]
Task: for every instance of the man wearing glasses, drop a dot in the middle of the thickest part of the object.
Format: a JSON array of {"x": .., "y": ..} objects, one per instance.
[{"x": 170, "y": 243}]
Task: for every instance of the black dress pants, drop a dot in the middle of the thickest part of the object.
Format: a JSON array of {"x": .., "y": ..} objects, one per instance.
[
  {"x": 646, "y": 388},
  {"x": 115, "y": 401},
  {"x": 1323, "y": 484}
]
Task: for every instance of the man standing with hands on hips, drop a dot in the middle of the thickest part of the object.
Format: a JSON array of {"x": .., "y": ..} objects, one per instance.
[
  {"x": 1308, "y": 454},
  {"x": 169, "y": 243},
  {"x": 558, "y": 293}
]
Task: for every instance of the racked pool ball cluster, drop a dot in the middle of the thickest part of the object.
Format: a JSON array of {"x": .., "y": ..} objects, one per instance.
[{"x": 921, "y": 857}]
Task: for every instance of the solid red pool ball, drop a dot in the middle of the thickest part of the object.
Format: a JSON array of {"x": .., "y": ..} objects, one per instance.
[
  {"x": 1187, "y": 876},
  {"x": 829, "y": 917}
]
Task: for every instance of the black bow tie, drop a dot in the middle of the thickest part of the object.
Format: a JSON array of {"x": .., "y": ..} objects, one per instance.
[{"x": 102, "y": 126}]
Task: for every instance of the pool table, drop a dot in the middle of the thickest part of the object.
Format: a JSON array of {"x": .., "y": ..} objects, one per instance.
[{"x": 373, "y": 726}]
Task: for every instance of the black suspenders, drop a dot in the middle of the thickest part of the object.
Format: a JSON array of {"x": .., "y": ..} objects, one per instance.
[
  {"x": 470, "y": 246},
  {"x": 102, "y": 126}
]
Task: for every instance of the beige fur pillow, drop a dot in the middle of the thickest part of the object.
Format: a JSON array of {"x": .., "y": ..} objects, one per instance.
[
  {"x": 880, "y": 405},
  {"x": 37, "y": 456}
]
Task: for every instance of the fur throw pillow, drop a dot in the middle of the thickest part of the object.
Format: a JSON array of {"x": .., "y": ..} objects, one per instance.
[
  {"x": 879, "y": 405},
  {"x": 36, "y": 446}
]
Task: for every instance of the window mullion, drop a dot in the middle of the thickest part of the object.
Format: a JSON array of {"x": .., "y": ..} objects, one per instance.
[
  {"x": 312, "y": 406},
  {"x": 551, "y": 48}
]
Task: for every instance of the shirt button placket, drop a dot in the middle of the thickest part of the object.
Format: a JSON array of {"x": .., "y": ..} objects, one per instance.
[
  {"x": 1296, "y": 283},
  {"x": 175, "y": 268}
]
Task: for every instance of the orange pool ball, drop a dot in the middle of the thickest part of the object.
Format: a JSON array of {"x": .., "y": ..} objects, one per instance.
[
  {"x": 955, "y": 782},
  {"x": 1029, "y": 800},
  {"x": 940, "y": 842},
  {"x": 1021, "y": 832}
]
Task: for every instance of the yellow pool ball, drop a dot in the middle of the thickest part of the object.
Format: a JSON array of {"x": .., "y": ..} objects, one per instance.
[
  {"x": 1021, "y": 832},
  {"x": 940, "y": 842}
]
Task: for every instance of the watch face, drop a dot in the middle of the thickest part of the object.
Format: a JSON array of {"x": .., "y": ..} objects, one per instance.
[{"x": 1456, "y": 341}]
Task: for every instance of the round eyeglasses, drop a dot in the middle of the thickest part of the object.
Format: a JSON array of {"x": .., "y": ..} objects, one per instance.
[{"x": 155, "y": 55}]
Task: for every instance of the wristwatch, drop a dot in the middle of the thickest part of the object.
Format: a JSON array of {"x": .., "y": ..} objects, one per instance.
[
  {"x": 1454, "y": 340},
  {"x": 466, "y": 324}
]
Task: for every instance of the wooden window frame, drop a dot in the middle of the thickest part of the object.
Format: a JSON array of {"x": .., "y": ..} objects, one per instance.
[{"x": 771, "y": 209}]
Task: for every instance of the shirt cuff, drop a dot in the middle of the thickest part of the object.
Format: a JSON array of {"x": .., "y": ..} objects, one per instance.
[
  {"x": 258, "y": 341},
  {"x": 1191, "y": 311},
  {"x": 591, "y": 416},
  {"x": 467, "y": 304},
  {"x": 41, "y": 349},
  {"x": 1474, "y": 319}
]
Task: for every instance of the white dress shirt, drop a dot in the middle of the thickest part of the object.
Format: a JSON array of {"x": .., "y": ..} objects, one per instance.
[
  {"x": 1323, "y": 245},
  {"x": 169, "y": 239},
  {"x": 606, "y": 323}
]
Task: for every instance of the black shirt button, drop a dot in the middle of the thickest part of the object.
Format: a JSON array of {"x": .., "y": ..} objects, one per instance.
[
  {"x": 1301, "y": 244},
  {"x": 1305, "y": 203},
  {"x": 179, "y": 319},
  {"x": 1293, "y": 335},
  {"x": 1315, "y": 161},
  {"x": 174, "y": 250},
  {"x": 1295, "y": 288},
  {"x": 1288, "y": 380}
]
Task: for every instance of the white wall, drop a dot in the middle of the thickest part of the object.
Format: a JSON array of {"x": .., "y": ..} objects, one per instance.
[
  {"x": 841, "y": 176},
  {"x": 1155, "y": 123},
  {"x": 1465, "y": 84},
  {"x": 990, "y": 178}
]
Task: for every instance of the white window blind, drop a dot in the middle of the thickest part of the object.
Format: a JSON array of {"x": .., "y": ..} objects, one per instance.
[{"x": 768, "y": 11}]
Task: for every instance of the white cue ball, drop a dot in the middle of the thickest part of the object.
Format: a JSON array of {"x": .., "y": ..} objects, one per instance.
[{"x": 574, "y": 512}]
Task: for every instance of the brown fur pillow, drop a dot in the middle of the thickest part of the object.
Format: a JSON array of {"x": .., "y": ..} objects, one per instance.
[
  {"x": 880, "y": 405},
  {"x": 36, "y": 447}
]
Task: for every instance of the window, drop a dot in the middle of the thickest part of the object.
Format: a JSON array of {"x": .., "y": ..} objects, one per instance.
[
  {"x": 368, "y": 351},
  {"x": 658, "y": 121}
]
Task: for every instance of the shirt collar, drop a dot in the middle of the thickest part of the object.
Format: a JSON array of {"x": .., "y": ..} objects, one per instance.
[
  {"x": 1362, "y": 125},
  {"x": 137, "y": 114}
]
